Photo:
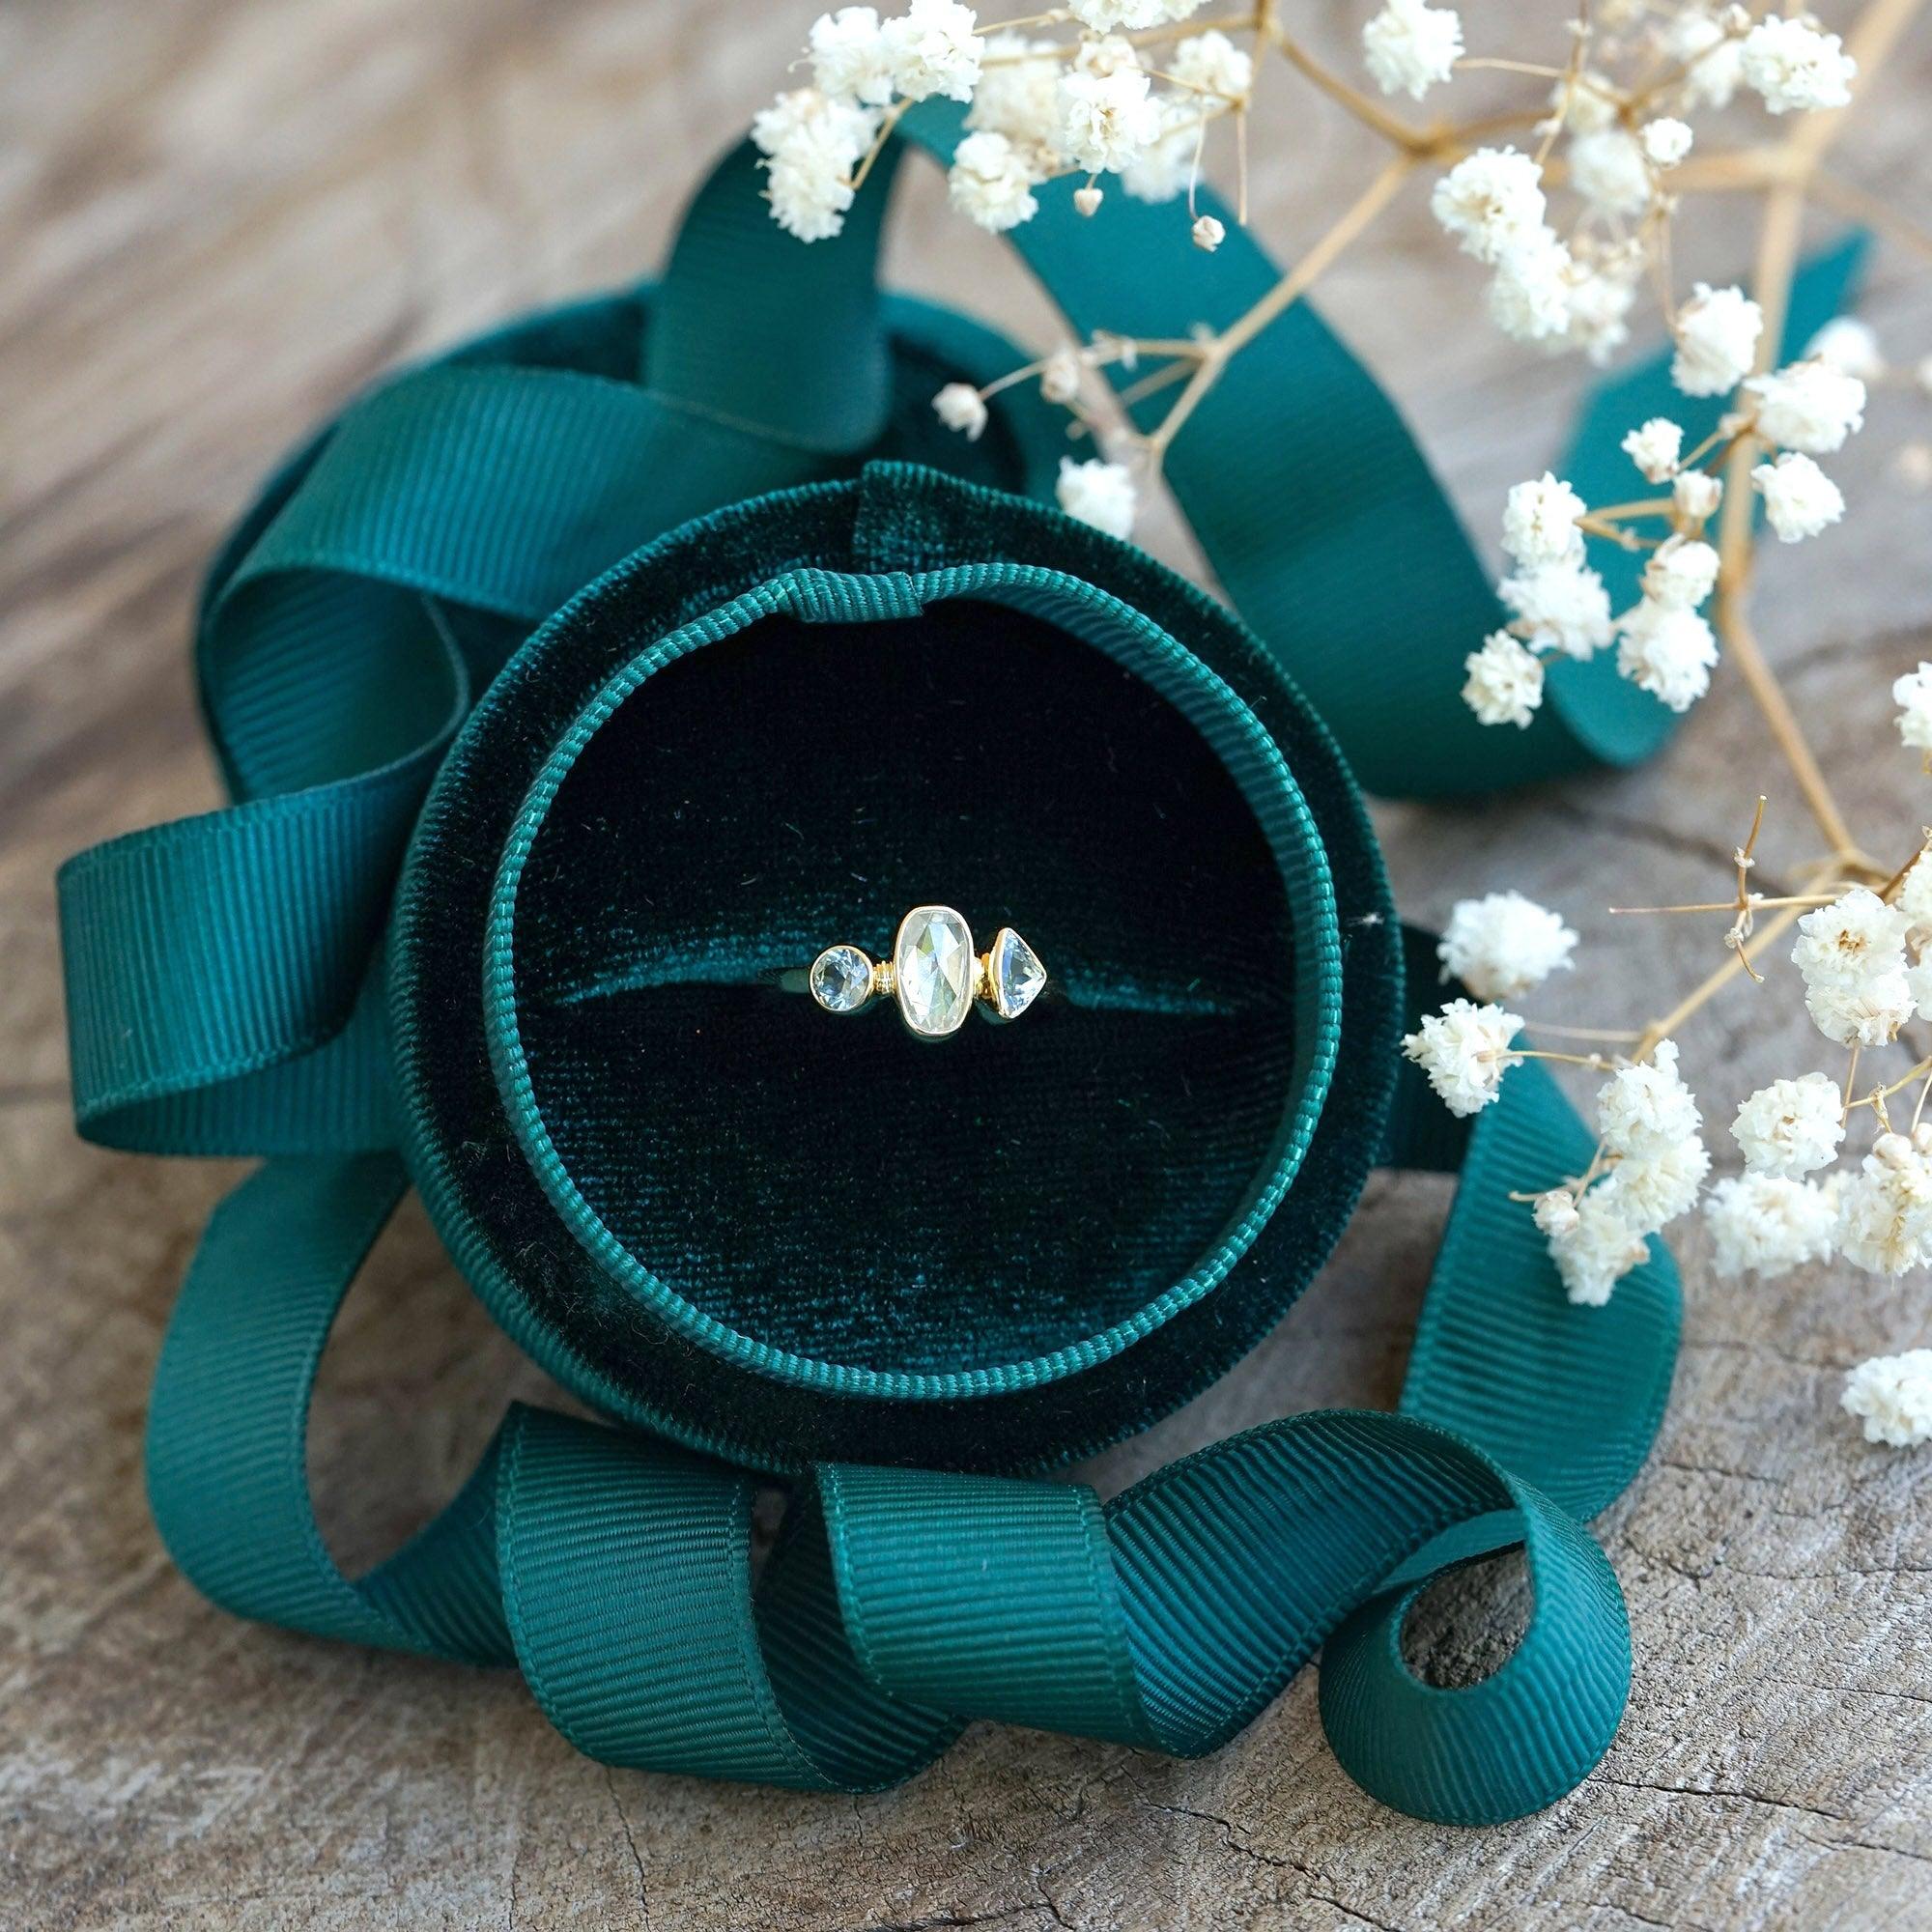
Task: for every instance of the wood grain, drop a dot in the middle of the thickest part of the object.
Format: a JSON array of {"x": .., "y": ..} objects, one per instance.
[{"x": 217, "y": 218}]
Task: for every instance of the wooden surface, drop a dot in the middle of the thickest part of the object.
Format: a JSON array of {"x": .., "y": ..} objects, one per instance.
[{"x": 215, "y": 219}]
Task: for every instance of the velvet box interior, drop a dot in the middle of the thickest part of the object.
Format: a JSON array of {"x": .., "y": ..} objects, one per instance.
[{"x": 784, "y": 1234}]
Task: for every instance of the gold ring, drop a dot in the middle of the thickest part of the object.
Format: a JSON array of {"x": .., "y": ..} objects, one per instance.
[{"x": 933, "y": 973}]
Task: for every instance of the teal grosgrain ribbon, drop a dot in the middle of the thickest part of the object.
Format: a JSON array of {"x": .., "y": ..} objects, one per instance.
[
  {"x": 614, "y": 1570},
  {"x": 218, "y": 981}
]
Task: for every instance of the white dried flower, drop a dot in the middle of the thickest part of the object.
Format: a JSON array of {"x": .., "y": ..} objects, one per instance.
[
  {"x": 1646, "y": 1110},
  {"x": 1215, "y": 65},
  {"x": 1699, "y": 39},
  {"x": 934, "y": 50},
  {"x": 1795, "y": 68},
  {"x": 1106, "y": 16},
  {"x": 851, "y": 59},
  {"x": 812, "y": 143},
  {"x": 1666, "y": 141},
  {"x": 1601, "y": 291},
  {"x": 1667, "y": 651},
  {"x": 1655, "y": 448},
  {"x": 1110, "y": 55},
  {"x": 1409, "y": 47},
  {"x": 991, "y": 183},
  {"x": 1533, "y": 293},
  {"x": 1540, "y": 521},
  {"x": 1716, "y": 340},
  {"x": 1106, "y": 119},
  {"x": 1465, "y": 1051},
  {"x": 1913, "y": 694},
  {"x": 1652, "y": 1190},
  {"x": 1697, "y": 495},
  {"x": 1681, "y": 573},
  {"x": 1915, "y": 895},
  {"x": 1059, "y": 379},
  {"x": 1763, "y": 1225},
  {"x": 1809, "y": 406},
  {"x": 1491, "y": 201},
  {"x": 1892, "y": 1395},
  {"x": 1017, "y": 95},
  {"x": 1165, "y": 168},
  {"x": 1884, "y": 1211},
  {"x": 1555, "y": 1213},
  {"x": 1208, "y": 234},
  {"x": 1560, "y": 607},
  {"x": 1851, "y": 955},
  {"x": 1502, "y": 945},
  {"x": 1849, "y": 344},
  {"x": 1505, "y": 681},
  {"x": 1087, "y": 200},
  {"x": 1594, "y": 1254},
  {"x": 1870, "y": 1014},
  {"x": 961, "y": 406},
  {"x": 1097, "y": 493},
  {"x": 1844, "y": 943},
  {"x": 1608, "y": 170},
  {"x": 1799, "y": 498},
  {"x": 1585, "y": 107},
  {"x": 1792, "y": 1127}
]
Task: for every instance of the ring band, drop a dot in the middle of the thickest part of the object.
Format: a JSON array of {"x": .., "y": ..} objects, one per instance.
[{"x": 933, "y": 973}]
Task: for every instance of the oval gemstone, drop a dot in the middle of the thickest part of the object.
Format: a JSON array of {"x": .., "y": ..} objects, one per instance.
[
  {"x": 841, "y": 978},
  {"x": 933, "y": 969}
]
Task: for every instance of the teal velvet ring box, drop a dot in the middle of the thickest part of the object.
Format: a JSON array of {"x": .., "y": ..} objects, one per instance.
[{"x": 783, "y": 1238}]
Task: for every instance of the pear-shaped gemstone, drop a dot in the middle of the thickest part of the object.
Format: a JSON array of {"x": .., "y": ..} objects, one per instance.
[
  {"x": 933, "y": 970},
  {"x": 1015, "y": 974}
]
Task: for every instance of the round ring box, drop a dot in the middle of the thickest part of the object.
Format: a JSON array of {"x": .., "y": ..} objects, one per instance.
[{"x": 721, "y": 1214}]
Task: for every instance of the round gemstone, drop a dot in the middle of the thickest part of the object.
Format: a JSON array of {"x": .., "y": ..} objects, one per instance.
[
  {"x": 841, "y": 978},
  {"x": 934, "y": 971},
  {"x": 1015, "y": 973}
]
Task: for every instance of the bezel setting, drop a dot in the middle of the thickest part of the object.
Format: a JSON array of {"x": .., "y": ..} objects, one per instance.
[
  {"x": 1014, "y": 975},
  {"x": 935, "y": 971}
]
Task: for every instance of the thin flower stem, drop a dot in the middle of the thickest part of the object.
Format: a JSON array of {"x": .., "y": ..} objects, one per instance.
[
  {"x": 1648, "y": 506},
  {"x": 1596, "y": 1062},
  {"x": 1879, "y": 1095},
  {"x": 1151, "y": 384},
  {"x": 1741, "y": 640},
  {"x": 1319, "y": 259},
  {"x": 1215, "y": 352},
  {"x": 1870, "y": 39},
  {"x": 1242, "y": 166},
  {"x": 1470, "y": 63},
  {"x": 1410, "y": 140},
  {"x": 887, "y": 121},
  {"x": 1744, "y": 905},
  {"x": 1054, "y": 18},
  {"x": 1615, "y": 533},
  {"x": 1731, "y": 905},
  {"x": 1609, "y": 1036},
  {"x": 1918, "y": 1111},
  {"x": 1713, "y": 984}
]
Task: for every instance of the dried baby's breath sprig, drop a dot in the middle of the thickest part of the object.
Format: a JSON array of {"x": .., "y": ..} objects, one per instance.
[{"x": 1567, "y": 201}]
